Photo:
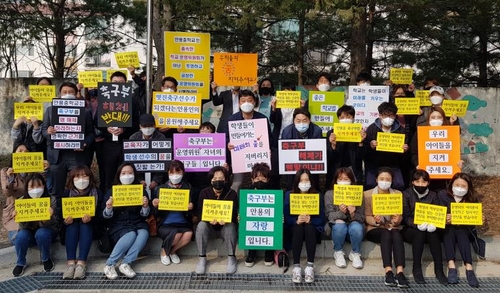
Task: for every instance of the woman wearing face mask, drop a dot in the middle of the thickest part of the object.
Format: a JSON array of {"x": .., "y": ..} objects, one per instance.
[
  {"x": 460, "y": 190},
  {"x": 266, "y": 96},
  {"x": 175, "y": 228},
  {"x": 436, "y": 97},
  {"x": 36, "y": 233},
  {"x": 77, "y": 233},
  {"x": 127, "y": 226},
  {"x": 304, "y": 227},
  {"x": 386, "y": 230},
  {"x": 423, "y": 233},
  {"x": 347, "y": 222},
  {"x": 219, "y": 190}
]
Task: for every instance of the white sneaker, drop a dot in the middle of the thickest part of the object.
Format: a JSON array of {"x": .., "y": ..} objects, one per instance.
[
  {"x": 297, "y": 275},
  {"x": 339, "y": 257},
  {"x": 110, "y": 272},
  {"x": 165, "y": 259},
  {"x": 125, "y": 269},
  {"x": 175, "y": 258},
  {"x": 355, "y": 258},
  {"x": 309, "y": 274}
]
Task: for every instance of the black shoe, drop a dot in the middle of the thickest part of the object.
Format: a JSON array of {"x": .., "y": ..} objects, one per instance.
[
  {"x": 418, "y": 276},
  {"x": 471, "y": 278},
  {"x": 402, "y": 281},
  {"x": 452, "y": 276},
  {"x": 18, "y": 271},
  {"x": 48, "y": 265},
  {"x": 250, "y": 259},
  {"x": 389, "y": 279},
  {"x": 441, "y": 277},
  {"x": 269, "y": 258}
]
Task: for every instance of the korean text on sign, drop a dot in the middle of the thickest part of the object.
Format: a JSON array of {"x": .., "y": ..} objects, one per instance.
[
  {"x": 126, "y": 59},
  {"x": 78, "y": 207},
  {"x": 200, "y": 152},
  {"x": 148, "y": 155},
  {"x": 27, "y": 162},
  {"x": 347, "y": 132},
  {"x": 114, "y": 104},
  {"x": 401, "y": 75},
  {"x": 408, "y": 106},
  {"x": 173, "y": 199},
  {"x": 423, "y": 96},
  {"x": 235, "y": 69},
  {"x": 28, "y": 110},
  {"x": 390, "y": 142},
  {"x": 175, "y": 109},
  {"x": 466, "y": 213},
  {"x": 349, "y": 195},
  {"x": 365, "y": 100},
  {"x": 323, "y": 107},
  {"x": 89, "y": 79},
  {"x": 430, "y": 214},
  {"x": 458, "y": 108},
  {"x": 439, "y": 150},
  {"x": 32, "y": 209},
  {"x": 387, "y": 204},
  {"x": 295, "y": 154},
  {"x": 128, "y": 195},
  {"x": 304, "y": 204},
  {"x": 288, "y": 99},
  {"x": 219, "y": 210},
  {"x": 42, "y": 93},
  {"x": 68, "y": 119}
]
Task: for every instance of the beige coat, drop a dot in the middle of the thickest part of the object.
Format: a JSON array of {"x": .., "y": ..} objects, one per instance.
[{"x": 370, "y": 217}]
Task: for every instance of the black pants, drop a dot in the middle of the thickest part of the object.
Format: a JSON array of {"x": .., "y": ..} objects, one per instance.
[
  {"x": 391, "y": 242},
  {"x": 303, "y": 232},
  {"x": 112, "y": 159},
  {"x": 460, "y": 236},
  {"x": 418, "y": 239}
]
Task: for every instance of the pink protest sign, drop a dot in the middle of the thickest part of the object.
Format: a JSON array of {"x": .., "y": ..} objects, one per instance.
[
  {"x": 200, "y": 151},
  {"x": 251, "y": 144}
]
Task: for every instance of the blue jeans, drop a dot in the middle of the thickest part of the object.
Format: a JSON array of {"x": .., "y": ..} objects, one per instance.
[
  {"x": 353, "y": 232},
  {"x": 25, "y": 239},
  {"x": 12, "y": 235},
  {"x": 129, "y": 245},
  {"x": 78, "y": 233}
]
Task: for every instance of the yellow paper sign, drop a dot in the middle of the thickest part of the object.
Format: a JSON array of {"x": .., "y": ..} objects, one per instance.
[
  {"x": 466, "y": 213},
  {"x": 347, "y": 132},
  {"x": 27, "y": 162},
  {"x": 423, "y": 96},
  {"x": 458, "y": 108},
  {"x": 110, "y": 72},
  {"x": 32, "y": 209},
  {"x": 408, "y": 106},
  {"x": 304, "y": 204},
  {"x": 127, "y": 195},
  {"x": 401, "y": 75},
  {"x": 390, "y": 142},
  {"x": 220, "y": 210},
  {"x": 350, "y": 195},
  {"x": 238, "y": 69},
  {"x": 288, "y": 99},
  {"x": 28, "y": 110},
  {"x": 387, "y": 204},
  {"x": 42, "y": 93},
  {"x": 173, "y": 199},
  {"x": 78, "y": 206},
  {"x": 430, "y": 214},
  {"x": 89, "y": 79},
  {"x": 175, "y": 109},
  {"x": 126, "y": 59}
]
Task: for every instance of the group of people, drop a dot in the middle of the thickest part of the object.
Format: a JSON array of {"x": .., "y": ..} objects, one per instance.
[{"x": 68, "y": 174}]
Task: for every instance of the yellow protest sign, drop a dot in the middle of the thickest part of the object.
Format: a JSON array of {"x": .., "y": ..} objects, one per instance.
[
  {"x": 28, "y": 110},
  {"x": 127, "y": 195},
  {"x": 390, "y": 142},
  {"x": 466, "y": 213},
  {"x": 78, "y": 206},
  {"x": 288, "y": 99},
  {"x": 89, "y": 79},
  {"x": 126, "y": 59},
  {"x": 173, "y": 199},
  {"x": 387, "y": 204},
  {"x": 350, "y": 195},
  {"x": 110, "y": 72},
  {"x": 176, "y": 109},
  {"x": 347, "y": 132},
  {"x": 401, "y": 75},
  {"x": 430, "y": 214},
  {"x": 458, "y": 108},
  {"x": 423, "y": 96},
  {"x": 42, "y": 93},
  {"x": 304, "y": 204},
  {"x": 27, "y": 162},
  {"x": 220, "y": 210},
  {"x": 238, "y": 69},
  {"x": 32, "y": 209},
  {"x": 408, "y": 106}
]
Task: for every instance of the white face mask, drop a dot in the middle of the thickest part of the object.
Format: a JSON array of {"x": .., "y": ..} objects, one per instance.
[
  {"x": 68, "y": 97},
  {"x": 148, "y": 131},
  {"x": 127, "y": 179},
  {"x": 81, "y": 183},
  {"x": 347, "y": 120},
  {"x": 384, "y": 185},
  {"x": 175, "y": 178},
  {"x": 247, "y": 107},
  {"x": 459, "y": 191},
  {"x": 324, "y": 87},
  {"x": 435, "y": 122},
  {"x": 305, "y": 186},
  {"x": 35, "y": 192},
  {"x": 364, "y": 84},
  {"x": 387, "y": 121},
  {"x": 168, "y": 90},
  {"x": 436, "y": 100},
  {"x": 344, "y": 182}
]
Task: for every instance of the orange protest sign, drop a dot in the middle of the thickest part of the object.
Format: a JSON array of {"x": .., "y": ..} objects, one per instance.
[
  {"x": 237, "y": 69},
  {"x": 439, "y": 150}
]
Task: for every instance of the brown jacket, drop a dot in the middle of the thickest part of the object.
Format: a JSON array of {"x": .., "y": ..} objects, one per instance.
[
  {"x": 370, "y": 217},
  {"x": 12, "y": 190}
]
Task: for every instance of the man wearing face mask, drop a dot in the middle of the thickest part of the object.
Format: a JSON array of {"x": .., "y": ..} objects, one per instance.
[
  {"x": 62, "y": 161},
  {"x": 363, "y": 79},
  {"x": 374, "y": 159},
  {"x": 323, "y": 84},
  {"x": 228, "y": 99}
]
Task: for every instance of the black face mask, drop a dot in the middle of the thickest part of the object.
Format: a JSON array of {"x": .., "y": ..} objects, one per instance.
[
  {"x": 261, "y": 185},
  {"x": 420, "y": 189},
  {"x": 265, "y": 91},
  {"x": 218, "y": 185}
]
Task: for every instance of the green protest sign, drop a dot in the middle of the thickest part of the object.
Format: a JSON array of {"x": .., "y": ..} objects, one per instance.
[{"x": 323, "y": 107}]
